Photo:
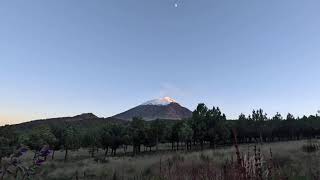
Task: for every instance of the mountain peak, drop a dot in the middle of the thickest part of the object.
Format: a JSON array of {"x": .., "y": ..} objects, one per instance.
[
  {"x": 160, "y": 102},
  {"x": 86, "y": 116},
  {"x": 163, "y": 108}
]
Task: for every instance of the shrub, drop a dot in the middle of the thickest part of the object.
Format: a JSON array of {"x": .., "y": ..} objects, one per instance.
[{"x": 310, "y": 147}]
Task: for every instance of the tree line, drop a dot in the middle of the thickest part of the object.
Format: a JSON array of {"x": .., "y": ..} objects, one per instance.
[{"x": 208, "y": 128}]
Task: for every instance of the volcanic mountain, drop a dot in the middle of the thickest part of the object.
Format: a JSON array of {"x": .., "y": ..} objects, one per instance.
[{"x": 164, "y": 108}]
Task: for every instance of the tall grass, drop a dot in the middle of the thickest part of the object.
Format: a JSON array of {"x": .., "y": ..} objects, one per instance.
[{"x": 279, "y": 160}]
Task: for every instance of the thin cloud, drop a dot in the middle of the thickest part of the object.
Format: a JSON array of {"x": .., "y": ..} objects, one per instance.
[{"x": 168, "y": 89}]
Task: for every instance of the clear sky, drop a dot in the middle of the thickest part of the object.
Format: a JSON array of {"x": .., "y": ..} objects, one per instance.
[{"x": 66, "y": 57}]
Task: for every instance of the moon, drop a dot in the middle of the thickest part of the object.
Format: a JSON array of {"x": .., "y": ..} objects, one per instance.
[{"x": 175, "y": 5}]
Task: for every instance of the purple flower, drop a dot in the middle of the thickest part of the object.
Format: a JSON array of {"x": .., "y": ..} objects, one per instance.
[
  {"x": 39, "y": 162},
  {"x": 45, "y": 152},
  {"x": 23, "y": 150},
  {"x": 19, "y": 152}
]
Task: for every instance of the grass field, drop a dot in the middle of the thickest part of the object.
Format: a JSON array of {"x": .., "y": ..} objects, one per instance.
[{"x": 288, "y": 157}]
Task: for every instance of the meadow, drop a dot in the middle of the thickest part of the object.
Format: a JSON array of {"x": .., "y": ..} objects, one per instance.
[
  {"x": 206, "y": 146},
  {"x": 289, "y": 161}
]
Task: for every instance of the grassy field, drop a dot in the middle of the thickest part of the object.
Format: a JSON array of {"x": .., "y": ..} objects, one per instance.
[{"x": 288, "y": 158}]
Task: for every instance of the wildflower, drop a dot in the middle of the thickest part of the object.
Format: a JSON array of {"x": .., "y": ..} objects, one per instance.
[
  {"x": 45, "y": 152},
  {"x": 39, "y": 162},
  {"x": 23, "y": 150}
]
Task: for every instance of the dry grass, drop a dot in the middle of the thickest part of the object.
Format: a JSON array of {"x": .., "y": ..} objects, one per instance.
[{"x": 288, "y": 160}]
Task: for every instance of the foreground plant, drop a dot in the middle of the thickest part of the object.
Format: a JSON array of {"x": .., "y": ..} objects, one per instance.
[{"x": 13, "y": 167}]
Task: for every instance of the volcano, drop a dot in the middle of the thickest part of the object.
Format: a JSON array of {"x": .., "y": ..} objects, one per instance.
[{"x": 163, "y": 108}]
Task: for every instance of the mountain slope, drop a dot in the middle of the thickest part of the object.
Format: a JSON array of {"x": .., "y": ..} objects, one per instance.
[
  {"x": 85, "y": 120},
  {"x": 165, "y": 108}
]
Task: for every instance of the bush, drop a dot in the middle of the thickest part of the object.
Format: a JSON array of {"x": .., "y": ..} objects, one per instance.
[{"x": 310, "y": 147}]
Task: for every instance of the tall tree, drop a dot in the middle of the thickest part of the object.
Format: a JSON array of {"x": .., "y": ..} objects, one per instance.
[
  {"x": 57, "y": 144},
  {"x": 198, "y": 123},
  {"x": 137, "y": 133},
  {"x": 105, "y": 138},
  {"x": 214, "y": 118},
  {"x": 70, "y": 140},
  {"x": 91, "y": 139},
  {"x": 158, "y": 127},
  {"x": 185, "y": 134},
  {"x": 117, "y": 134},
  {"x": 259, "y": 117}
]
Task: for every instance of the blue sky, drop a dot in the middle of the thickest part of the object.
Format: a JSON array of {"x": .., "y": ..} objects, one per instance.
[{"x": 65, "y": 57}]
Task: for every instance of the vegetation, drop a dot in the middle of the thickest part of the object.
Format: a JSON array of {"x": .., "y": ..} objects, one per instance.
[{"x": 207, "y": 129}]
